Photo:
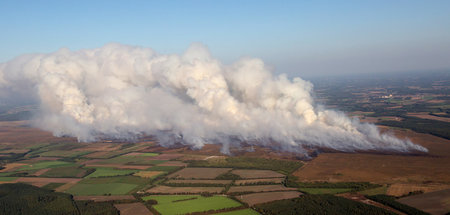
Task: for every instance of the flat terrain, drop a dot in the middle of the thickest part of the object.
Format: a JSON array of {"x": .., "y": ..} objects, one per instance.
[
  {"x": 258, "y": 198},
  {"x": 325, "y": 190},
  {"x": 105, "y": 198},
  {"x": 192, "y": 204},
  {"x": 377, "y": 168},
  {"x": 184, "y": 190},
  {"x": 200, "y": 181},
  {"x": 148, "y": 174},
  {"x": 101, "y": 189},
  {"x": 437, "y": 202},
  {"x": 133, "y": 209},
  {"x": 240, "y": 212},
  {"x": 102, "y": 172},
  {"x": 259, "y": 180},
  {"x": 249, "y": 174},
  {"x": 401, "y": 189},
  {"x": 199, "y": 173},
  {"x": 258, "y": 188}
]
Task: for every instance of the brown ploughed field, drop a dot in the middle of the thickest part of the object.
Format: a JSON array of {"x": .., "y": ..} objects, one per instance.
[
  {"x": 383, "y": 168},
  {"x": 247, "y": 174},
  {"x": 133, "y": 209},
  {"x": 258, "y": 198},
  {"x": 404, "y": 189},
  {"x": 199, "y": 173},
  {"x": 437, "y": 202}
]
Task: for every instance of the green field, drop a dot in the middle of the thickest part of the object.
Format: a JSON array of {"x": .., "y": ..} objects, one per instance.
[
  {"x": 247, "y": 211},
  {"x": 62, "y": 153},
  {"x": 114, "y": 185},
  {"x": 175, "y": 204},
  {"x": 145, "y": 154},
  {"x": 325, "y": 190},
  {"x": 8, "y": 178},
  {"x": 46, "y": 164},
  {"x": 105, "y": 172},
  {"x": 118, "y": 179},
  {"x": 164, "y": 199},
  {"x": 64, "y": 172},
  {"x": 281, "y": 166},
  {"x": 101, "y": 189},
  {"x": 52, "y": 186},
  {"x": 127, "y": 159},
  {"x": 375, "y": 191}
]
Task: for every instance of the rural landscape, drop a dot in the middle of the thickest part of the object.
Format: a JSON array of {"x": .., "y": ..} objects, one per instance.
[
  {"x": 41, "y": 172},
  {"x": 196, "y": 107}
]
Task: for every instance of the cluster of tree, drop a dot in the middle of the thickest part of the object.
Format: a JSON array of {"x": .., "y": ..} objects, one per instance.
[
  {"x": 292, "y": 181},
  {"x": 282, "y": 166},
  {"x": 27, "y": 199},
  {"x": 319, "y": 204},
  {"x": 391, "y": 202},
  {"x": 228, "y": 176},
  {"x": 434, "y": 127}
]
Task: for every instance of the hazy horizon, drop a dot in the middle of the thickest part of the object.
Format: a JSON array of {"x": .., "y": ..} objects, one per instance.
[{"x": 303, "y": 39}]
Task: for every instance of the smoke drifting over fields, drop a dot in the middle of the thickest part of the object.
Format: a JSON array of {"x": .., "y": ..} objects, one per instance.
[{"x": 123, "y": 91}]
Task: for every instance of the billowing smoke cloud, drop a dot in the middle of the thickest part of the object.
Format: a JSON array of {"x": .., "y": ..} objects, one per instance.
[{"x": 123, "y": 91}]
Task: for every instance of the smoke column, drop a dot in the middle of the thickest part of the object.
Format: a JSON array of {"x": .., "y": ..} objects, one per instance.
[{"x": 124, "y": 91}]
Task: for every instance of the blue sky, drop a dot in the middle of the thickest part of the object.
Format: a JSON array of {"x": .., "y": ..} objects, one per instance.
[{"x": 304, "y": 38}]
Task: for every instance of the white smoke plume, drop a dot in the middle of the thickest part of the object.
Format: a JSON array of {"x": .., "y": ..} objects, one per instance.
[{"x": 124, "y": 91}]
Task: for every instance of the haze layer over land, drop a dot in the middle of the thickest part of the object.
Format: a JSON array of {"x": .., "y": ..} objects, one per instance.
[{"x": 124, "y": 91}]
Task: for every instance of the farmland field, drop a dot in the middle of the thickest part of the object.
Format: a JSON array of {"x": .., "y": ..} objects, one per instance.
[
  {"x": 163, "y": 168},
  {"x": 104, "y": 198},
  {"x": 133, "y": 209},
  {"x": 258, "y": 198},
  {"x": 400, "y": 189},
  {"x": 8, "y": 178},
  {"x": 259, "y": 180},
  {"x": 101, "y": 189},
  {"x": 164, "y": 199},
  {"x": 437, "y": 202},
  {"x": 325, "y": 190},
  {"x": 199, "y": 173},
  {"x": 199, "y": 181},
  {"x": 189, "y": 205},
  {"x": 61, "y": 153},
  {"x": 148, "y": 174},
  {"x": 375, "y": 191},
  {"x": 45, "y": 165},
  {"x": 66, "y": 172},
  {"x": 258, "y": 188},
  {"x": 118, "y": 166},
  {"x": 247, "y": 211},
  {"x": 250, "y": 174},
  {"x": 384, "y": 169},
  {"x": 183, "y": 190},
  {"x": 103, "y": 172}
]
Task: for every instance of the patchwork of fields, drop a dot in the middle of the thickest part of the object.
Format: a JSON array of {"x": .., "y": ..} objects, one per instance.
[{"x": 142, "y": 178}]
